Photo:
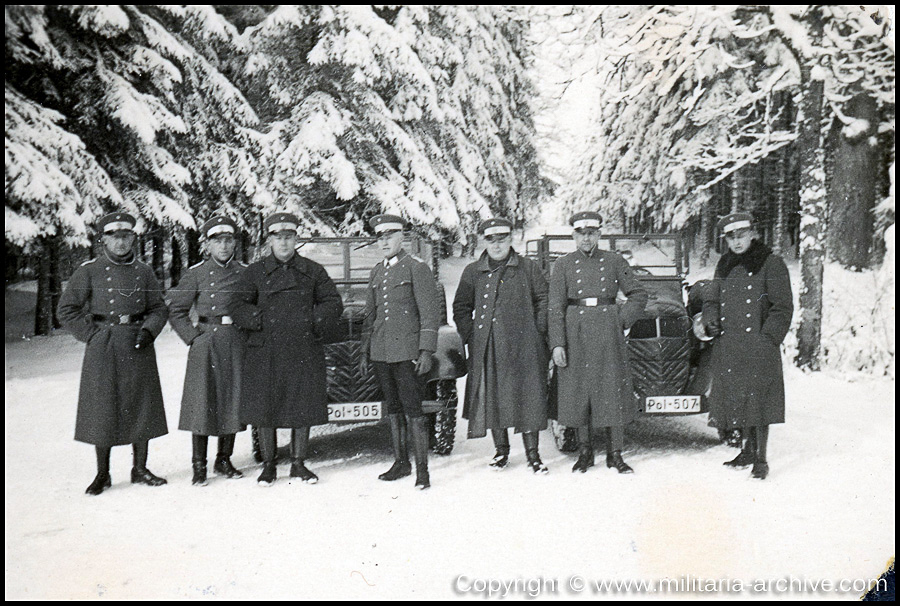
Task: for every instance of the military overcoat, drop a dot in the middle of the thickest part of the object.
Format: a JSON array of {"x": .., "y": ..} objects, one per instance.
[
  {"x": 595, "y": 387},
  {"x": 754, "y": 305},
  {"x": 403, "y": 310},
  {"x": 501, "y": 315},
  {"x": 286, "y": 308},
  {"x": 211, "y": 400},
  {"x": 120, "y": 399}
]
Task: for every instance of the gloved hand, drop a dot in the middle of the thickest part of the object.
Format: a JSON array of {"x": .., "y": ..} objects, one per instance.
[
  {"x": 364, "y": 363},
  {"x": 714, "y": 328},
  {"x": 423, "y": 365},
  {"x": 144, "y": 339},
  {"x": 559, "y": 357}
]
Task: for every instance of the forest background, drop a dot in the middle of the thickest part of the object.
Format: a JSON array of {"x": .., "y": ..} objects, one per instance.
[{"x": 451, "y": 114}]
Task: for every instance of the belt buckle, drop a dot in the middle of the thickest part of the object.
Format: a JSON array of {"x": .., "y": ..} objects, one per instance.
[
  {"x": 226, "y": 320},
  {"x": 124, "y": 319},
  {"x": 592, "y": 301}
]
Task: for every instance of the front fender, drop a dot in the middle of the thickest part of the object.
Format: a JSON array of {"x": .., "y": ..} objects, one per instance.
[{"x": 450, "y": 357}]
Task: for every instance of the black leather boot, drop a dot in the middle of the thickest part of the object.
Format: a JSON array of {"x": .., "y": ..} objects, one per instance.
[
  {"x": 267, "y": 451},
  {"x": 614, "y": 459},
  {"x": 420, "y": 449},
  {"x": 198, "y": 462},
  {"x": 585, "y": 450},
  {"x": 299, "y": 447},
  {"x": 501, "y": 444},
  {"x": 747, "y": 456},
  {"x": 102, "y": 481},
  {"x": 401, "y": 467},
  {"x": 223, "y": 466},
  {"x": 530, "y": 438},
  {"x": 761, "y": 467},
  {"x": 139, "y": 472}
]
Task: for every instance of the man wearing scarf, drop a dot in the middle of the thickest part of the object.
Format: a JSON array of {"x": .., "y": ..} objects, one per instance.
[
  {"x": 210, "y": 405},
  {"x": 748, "y": 309},
  {"x": 114, "y": 304},
  {"x": 500, "y": 309}
]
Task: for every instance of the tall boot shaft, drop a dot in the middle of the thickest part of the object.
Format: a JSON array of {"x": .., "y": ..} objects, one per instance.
[
  {"x": 266, "y": 443},
  {"x": 420, "y": 449},
  {"x": 299, "y": 443},
  {"x": 139, "y": 472},
  {"x": 762, "y": 442},
  {"x": 399, "y": 441},
  {"x": 530, "y": 440},
  {"x": 501, "y": 444},
  {"x": 200, "y": 445},
  {"x": 226, "y": 445},
  {"x": 103, "y": 459},
  {"x": 139, "y": 454},
  {"x": 585, "y": 450}
]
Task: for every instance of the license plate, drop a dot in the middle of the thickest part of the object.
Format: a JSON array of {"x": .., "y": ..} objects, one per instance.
[
  {"x": 664, "y": 404},
  {"x": 368, "y": 411}
]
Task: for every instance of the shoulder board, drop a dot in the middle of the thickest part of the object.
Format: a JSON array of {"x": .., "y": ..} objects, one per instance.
[
  {"x": 242, "y": 264},
  {"x": 415, "y": 258},
  {"x": 88, "y": 262},
  {"x": 197, "y": 265}
]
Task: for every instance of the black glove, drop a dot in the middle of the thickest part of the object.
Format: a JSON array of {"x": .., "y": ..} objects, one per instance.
[
  {"x": 714, "y": 328},
  {"x": 144, "y": 339}
]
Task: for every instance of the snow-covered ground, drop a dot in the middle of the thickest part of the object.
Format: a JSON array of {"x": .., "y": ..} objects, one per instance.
[{"x": 826, "y": 512}]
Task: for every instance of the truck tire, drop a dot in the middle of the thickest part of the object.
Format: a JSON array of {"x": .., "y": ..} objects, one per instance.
[
  {"x": 443, "y": 422},
  {"x": 566, "y": 438}
]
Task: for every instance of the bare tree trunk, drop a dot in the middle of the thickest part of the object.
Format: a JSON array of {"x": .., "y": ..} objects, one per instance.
[
  {"x": 158, "y": 254},
  {"x": 177, "y": 263},
  {"x": 49, "y": 286},
  {"x": 194, "y": 254},
  {"x": 781, "y": 171},
  {"x": 853, "y": 191},
  {"x": 813, "y": 203}
]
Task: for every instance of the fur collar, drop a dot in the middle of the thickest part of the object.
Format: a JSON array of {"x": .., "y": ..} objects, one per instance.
[{"x": 752, "y": 260}]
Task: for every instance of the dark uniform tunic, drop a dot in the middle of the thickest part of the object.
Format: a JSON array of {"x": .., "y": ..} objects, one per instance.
[
  {"x": 286, "y": 307},
  {"x": 755, "y": 310},
  {"x": 501, "y": 315},
  {"x": 210, "y": 404},
  {"x": 402, "y": 310},
  {"x": 595, "y": 387},
  {"x": 120, "y": 398},
  {"x": 402, "y": 318}
]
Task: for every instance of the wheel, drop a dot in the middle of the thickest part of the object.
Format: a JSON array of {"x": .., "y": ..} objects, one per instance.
[
  {"x": 566, "y": 438},
  {"x": 443, "y": 431}
]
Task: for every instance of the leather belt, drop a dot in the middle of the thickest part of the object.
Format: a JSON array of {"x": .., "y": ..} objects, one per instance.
[
  {"x": 593, "y": 301},
  {"x": 120, "y": 319},
  {"x": 224, "y": 320}
]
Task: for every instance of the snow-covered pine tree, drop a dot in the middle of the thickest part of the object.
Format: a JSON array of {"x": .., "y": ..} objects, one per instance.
[{"x": 415, "y": 110}]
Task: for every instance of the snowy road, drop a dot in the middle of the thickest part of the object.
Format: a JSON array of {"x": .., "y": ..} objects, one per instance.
[{"x": 825, "y": 513}]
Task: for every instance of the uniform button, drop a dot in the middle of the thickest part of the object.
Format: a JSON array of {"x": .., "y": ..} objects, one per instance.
[
  {"x": 577, "y": 271},
  {"x": 481, "y": 326},
  {"x": 748, "y": 315},
  {"x": 581, "y": 312},
  {"x": 578, "y": 281},
  {"x": 493, "y": 319},
  {"x": 216, "y": 329},
  {"x": 107, "y": 268},
  {"x": 723, "y": 317},
  {"x": 482, "y": 316},
  {"x": 112, "y": 300},
  {"x": 749, "y": 301},
  {"x": 749, "y": 329},
  {"x": 212, "y": 283},
  {"x": 750, "y": 274},
  {"x": 110, "y": 290},
  {"x": 484, "y": 306},
  {"x": 109, "y": 279},
  {"x": 576, "y": 261},
  {"x": 213, "y": 296},
  {"x": 602, "y": 279},
  {"x": 729, "y": 370},
  {"x": 485, "y": 295},
  {"x": 580, "y": 292},
  {"x": 213, "y": 307},
  {"x": 749, "y": 287}
]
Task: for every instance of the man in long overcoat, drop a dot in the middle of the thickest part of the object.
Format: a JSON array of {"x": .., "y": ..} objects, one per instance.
[
  {"x": 586, "y": 329},
  {"x": 748, "y": 309},
  {"x": 211, "y": 402},
  {"x": 114, "y": 304},
  {"x": 500, "y": 310},
  {"x": 399, "y": 337},
  {"x": 287, "y": 303}
]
